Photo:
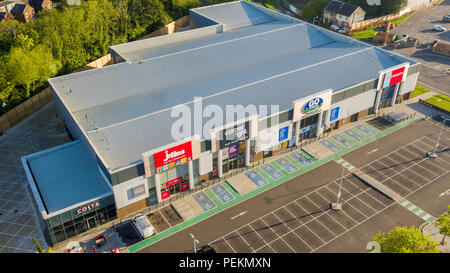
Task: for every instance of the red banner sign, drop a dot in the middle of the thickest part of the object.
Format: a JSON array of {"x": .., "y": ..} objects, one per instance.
[
  {"x": 184, "y": 186},
  {"x": 393, "y": 77},
  {"x": 165, "y": 194},
  {"x": 172, "y": 157},
  {"x": 174, "y": 181}
]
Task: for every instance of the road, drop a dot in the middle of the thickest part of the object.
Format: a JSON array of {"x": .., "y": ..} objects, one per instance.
[{"x": 435, "y": 67}]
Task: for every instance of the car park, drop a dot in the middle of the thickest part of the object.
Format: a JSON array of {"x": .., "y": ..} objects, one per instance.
[
  {"x": 143, "y": 226},
  {"x": 439, "y": 28}
]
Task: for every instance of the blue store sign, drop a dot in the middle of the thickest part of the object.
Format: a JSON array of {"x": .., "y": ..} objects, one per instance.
[
  {"x": 283, "y": 133},
  {"x": 334, "y": 113}
]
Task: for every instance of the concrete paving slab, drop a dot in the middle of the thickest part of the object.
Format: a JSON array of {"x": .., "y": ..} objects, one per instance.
[
  {"x": 317, "y": 150},
  {"x": 187, "y": 207},
  {"x": 242, "y": 184}
]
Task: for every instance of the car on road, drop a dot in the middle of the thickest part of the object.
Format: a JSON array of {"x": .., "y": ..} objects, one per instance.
[
  {"x": 446, "y": 18},
  {"x": 439, "y": 28},
  {"x": 143, "y": 226},
  {"x": 404, "y": 37}
]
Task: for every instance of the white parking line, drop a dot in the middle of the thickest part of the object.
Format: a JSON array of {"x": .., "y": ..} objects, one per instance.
[
  {"x": 325, "y": 212},
  {"x": 276, "y": 233},
  {"x": 379, "y": 212},
  {"x": 281, "y": 221},
  {"x": 240, "y": 235},
  {"x": 223, "y": 238},
  {"x": 340, "y": 211}
]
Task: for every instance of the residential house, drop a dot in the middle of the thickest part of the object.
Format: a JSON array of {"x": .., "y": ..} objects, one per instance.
[
  {"x": 39, "y": 5},
  {"x": 23, "y": 12},
  {"x": 342, "y": 14}
]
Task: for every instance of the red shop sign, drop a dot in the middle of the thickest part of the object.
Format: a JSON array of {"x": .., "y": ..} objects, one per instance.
[
  {"x": 179, "y": 154},
  {"x": 88, "y": 207},
  {"x": 165, "y": 194},
  {"x": 393, "y": 77},
  {"x": 174, "y": 181},
  {"x": 184, "y": 186}
]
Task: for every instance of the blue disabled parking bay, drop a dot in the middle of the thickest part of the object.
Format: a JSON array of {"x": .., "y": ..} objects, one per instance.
[
  {"x": 223, "y": 194},
  {"x": 273, "y": 172},
  {"x": 342, "y": 140},
  {"x": 303, "y": 160},
  {"x": 354, "y": 135},
  {"x": 286, "y": 164},
  {"x": 256, "y": 178},
  {"x": 330, "y": 146},
  {"x": 365, "y": 130},
  {"x": 204, "y": 201}
]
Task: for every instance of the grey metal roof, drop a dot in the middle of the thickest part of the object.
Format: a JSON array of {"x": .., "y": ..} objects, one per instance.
[
  {"x": 128, "y": 105},
  {"x": 66, "y": 176}
]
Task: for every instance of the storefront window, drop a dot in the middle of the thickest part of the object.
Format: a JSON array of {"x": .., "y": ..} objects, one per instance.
[
  {"x": 101, "y": 214},
  {"x": 69, "y": 229},
  {"x": 54, "y": 221},
  {"x": 111, "y": 212},
  {"x": 80, "y": 225},
  {"x": 58, "y": 234}
]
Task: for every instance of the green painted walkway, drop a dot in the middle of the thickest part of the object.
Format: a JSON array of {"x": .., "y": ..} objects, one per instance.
[{"x": 287, "y": 176}]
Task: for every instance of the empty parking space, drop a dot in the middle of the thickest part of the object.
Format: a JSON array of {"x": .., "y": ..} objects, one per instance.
[{"x": 307, "y": 223}]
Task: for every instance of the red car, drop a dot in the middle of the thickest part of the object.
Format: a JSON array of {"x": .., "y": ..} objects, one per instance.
[{"x": 391, "y": 27}]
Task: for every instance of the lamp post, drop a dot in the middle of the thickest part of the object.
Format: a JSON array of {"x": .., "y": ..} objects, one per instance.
[
  {"x": 195, "y": 242},
  {"x": 433, "y": 154},
  {"x": 337, "y": 206}
]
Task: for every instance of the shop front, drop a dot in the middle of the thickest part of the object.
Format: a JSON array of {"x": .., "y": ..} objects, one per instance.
[
  {"x": 233, "y": 157},
  {"x": 174, "y": 186},
  {"x": 80, "y": 219}
]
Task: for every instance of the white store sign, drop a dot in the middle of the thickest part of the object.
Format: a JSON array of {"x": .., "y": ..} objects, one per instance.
[{"x": 269, "y": 138}]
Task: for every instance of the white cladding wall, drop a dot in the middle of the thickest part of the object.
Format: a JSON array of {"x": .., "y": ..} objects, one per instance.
[
  {"x": 123, "y": 193},
  {"x": 355, "y": 104},
  {"x": 268, "y": 138},
  {"x": 409, "y": 84},
  {"x": 205, "y": 163}
]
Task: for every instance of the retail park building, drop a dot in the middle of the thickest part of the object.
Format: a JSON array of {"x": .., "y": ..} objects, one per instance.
[{"x": 125, "y": 157}]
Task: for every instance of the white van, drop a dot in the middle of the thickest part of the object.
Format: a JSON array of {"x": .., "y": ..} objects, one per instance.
[{"x": 143, "y": 226}]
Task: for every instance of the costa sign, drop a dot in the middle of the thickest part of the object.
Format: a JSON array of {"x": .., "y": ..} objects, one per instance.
[
  {"x": 88, "y": 207},
  {"x": 312, "y": 105},
  {"x": 177, "y": 155}
]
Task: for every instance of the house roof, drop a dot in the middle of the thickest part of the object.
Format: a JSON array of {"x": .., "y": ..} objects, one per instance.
[
  {"x": 126, "y": 109},
  {"x": 341, "y": 8}
]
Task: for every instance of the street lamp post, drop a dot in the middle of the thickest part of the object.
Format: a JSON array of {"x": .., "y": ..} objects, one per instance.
[
  {"x": 337, "y": 206},
  {"x": 433, "y": 154},
  {"x": 195, "y": 242}
]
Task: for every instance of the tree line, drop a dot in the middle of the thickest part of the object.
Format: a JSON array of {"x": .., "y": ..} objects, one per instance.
[{"x": 65, "y": 38}]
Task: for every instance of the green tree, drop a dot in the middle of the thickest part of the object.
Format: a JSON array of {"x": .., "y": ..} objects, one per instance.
[
  {"x": 444, "y": 223},
  {"x": 404, "y": 240},
  {"x": 27, "y": 67},
  {"x": 313, "y": 8}
]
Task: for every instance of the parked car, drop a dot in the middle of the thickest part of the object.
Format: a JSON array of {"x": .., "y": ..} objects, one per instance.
[
  {"x": 404, "y": 37},
  {"x": 143, "y": 226},
  {"x": 446, "y": 18},
  {"x": 343, "y": 30},
  {"x": 334, "y": 27},
  {"x": 439, "y": 28}
]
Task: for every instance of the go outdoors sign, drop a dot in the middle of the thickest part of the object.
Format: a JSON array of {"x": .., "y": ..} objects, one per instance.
[{"x": 312, "y": 106}]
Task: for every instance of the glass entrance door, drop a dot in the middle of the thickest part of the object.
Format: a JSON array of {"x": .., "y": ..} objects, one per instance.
[{"x": 91, "y": 222}]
